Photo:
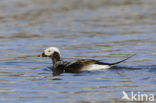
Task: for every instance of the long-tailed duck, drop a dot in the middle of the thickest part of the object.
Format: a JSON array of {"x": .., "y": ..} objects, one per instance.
[{"x": 60, "y": 66}]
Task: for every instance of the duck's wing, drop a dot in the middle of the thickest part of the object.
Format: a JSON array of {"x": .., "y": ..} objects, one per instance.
[
  {"x": 85, "y": 64},
  {"x": 77, "y": 65}
]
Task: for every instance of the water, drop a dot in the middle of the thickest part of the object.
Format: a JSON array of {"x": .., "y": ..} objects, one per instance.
[{"x": 101, "y": 29}]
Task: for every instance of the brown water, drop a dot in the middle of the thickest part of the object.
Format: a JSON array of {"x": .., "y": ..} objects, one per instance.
[{"x": 97, "y": 29}]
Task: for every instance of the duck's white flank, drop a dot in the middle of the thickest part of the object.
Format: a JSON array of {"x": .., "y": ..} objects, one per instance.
[{"x": 95, "y": 67}]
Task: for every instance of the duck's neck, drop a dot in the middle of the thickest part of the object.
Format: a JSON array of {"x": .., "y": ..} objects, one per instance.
[{"x": 55, "y": 57}]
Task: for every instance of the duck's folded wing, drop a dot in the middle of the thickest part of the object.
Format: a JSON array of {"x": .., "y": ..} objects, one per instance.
[
  {"x": 86, "y": 64},
  {"x": 78, "y": 65}
]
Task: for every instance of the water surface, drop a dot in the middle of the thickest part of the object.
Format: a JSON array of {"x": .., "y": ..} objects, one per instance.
[{"x": 101, "y": 29}]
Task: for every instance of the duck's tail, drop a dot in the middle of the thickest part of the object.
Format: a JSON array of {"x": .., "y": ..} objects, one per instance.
[{"x": 112, "y": 64}]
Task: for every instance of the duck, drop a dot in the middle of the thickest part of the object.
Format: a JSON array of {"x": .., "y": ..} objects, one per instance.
[{"x": 75, "y": 66}]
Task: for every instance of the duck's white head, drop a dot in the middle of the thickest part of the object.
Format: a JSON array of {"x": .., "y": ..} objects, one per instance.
[
  {"x": 51, "y": 52},
  {"x": 48, "y": 52}
]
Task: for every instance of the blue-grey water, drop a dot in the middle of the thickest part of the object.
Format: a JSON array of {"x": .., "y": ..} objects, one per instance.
[{"x": 95, "y": 29}]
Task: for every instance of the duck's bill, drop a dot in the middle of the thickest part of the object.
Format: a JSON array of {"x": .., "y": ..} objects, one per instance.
[{"x": 42, "y": 55}]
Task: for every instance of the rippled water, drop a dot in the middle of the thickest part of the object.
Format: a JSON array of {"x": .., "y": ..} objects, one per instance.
[{"x": 97, "y": 29}]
